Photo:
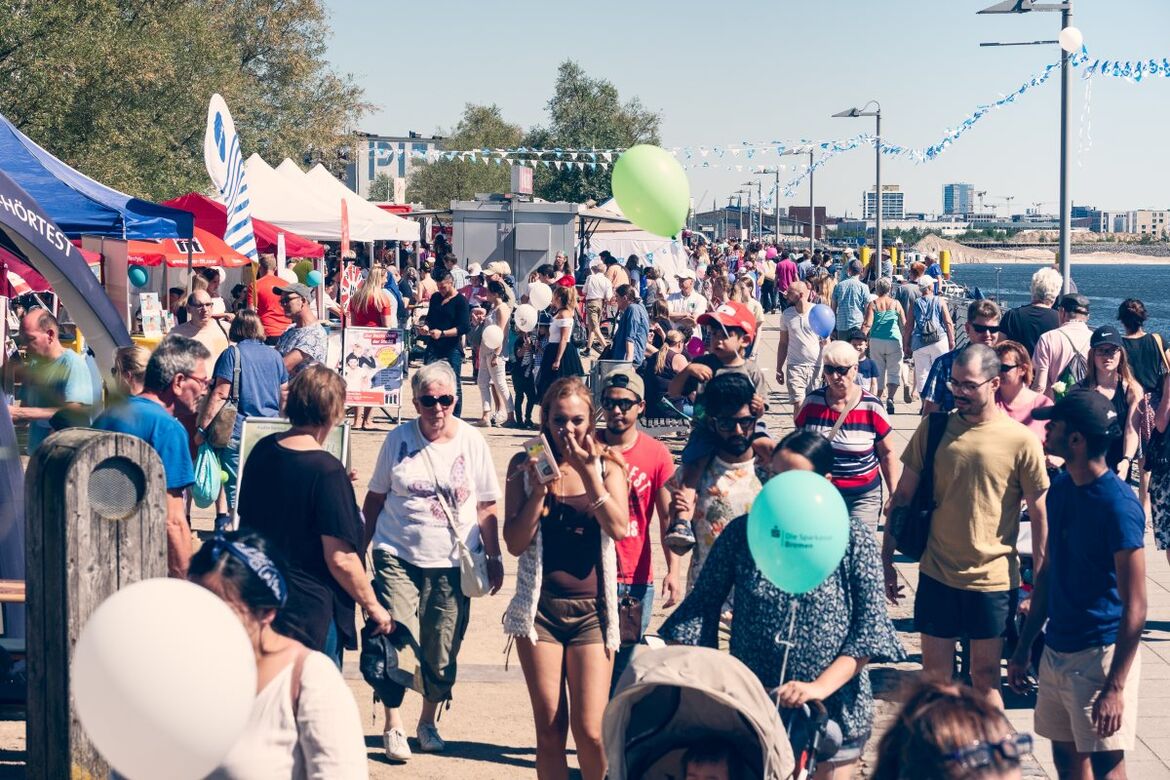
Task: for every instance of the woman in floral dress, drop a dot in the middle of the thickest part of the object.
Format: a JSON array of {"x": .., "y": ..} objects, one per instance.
[{"x": 841, "y": 625}]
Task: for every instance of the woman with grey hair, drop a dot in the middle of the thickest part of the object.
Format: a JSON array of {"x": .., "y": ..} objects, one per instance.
[
  {"x": 885, "y": 319},
  {"x": 434, "y": 484}
]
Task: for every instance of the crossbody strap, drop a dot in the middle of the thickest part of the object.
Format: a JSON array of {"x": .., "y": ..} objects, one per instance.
[
  {"x": 936, "y": 426},
  {"x": 234, "y": 394},
  {"x": 295, "y": 683},
  {"x": 841, "y": 420},
  {"x": 439, "y": 497},
  {"x": 1161, "y": 353}
]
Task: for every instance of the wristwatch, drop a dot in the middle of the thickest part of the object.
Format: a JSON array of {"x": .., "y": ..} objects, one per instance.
[{"x": 494, "y": 558}]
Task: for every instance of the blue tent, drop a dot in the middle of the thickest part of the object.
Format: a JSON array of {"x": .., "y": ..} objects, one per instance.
[{"x": 78, "y": 204}]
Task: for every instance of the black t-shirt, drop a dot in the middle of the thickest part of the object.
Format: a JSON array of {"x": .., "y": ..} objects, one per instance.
[
  {"x": 294, "y": 498},
  {"x": 1146, "y": 361},
  {"x": 1026, "y": 324},
  {"x": 455, "y": 313},
  {"x": 568, "y": 536}
]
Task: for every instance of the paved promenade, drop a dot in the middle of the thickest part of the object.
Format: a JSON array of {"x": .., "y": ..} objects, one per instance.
[{"x": 489, "y": 725}]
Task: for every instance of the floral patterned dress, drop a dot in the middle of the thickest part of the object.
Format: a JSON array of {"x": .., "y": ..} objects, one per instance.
[{"x": 844, "y": 615}]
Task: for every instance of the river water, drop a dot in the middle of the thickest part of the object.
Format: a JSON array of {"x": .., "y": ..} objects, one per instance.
[{"x": 1105, "y": 284}]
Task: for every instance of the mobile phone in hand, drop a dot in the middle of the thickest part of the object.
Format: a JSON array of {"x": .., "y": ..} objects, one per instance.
[{"x": 546, "y": 466}]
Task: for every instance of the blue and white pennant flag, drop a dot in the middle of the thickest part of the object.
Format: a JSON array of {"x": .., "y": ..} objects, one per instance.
[{"x": 225, "y": 165}]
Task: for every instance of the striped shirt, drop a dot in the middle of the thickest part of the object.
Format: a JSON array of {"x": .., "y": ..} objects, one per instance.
[{"x": 855, "y": 462}]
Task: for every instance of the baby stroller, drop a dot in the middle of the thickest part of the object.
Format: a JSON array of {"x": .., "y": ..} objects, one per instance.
[{"x": 671, "y": 698}]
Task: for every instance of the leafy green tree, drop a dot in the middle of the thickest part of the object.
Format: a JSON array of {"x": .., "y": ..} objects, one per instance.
[
  {"x": 587, "y": 113},
  {"x": 382, "y": 188},
  {"x": 481, "y": 127},
  {"x": 119, "y": 88}
]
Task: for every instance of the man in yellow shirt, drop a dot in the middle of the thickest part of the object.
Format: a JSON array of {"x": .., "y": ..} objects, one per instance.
[{"x": 985, "y": 465}]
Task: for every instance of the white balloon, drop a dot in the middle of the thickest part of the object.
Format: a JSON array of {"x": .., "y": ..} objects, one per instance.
[
  {"x": 1071, "y": 39},
  {"x": 539, "y": 295},
  {"x": 493, "y": 337},
  {"x": 288, "y": 274},
  {"x": 163, "y": 678},
  {"x": 525, "y": 318}
]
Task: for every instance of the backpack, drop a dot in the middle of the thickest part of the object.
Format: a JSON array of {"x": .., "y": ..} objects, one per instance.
[
  {"x": 579, "y": 333},
  {"x": 1075, "y": 370},
  {"x": 926, "y": 320}
]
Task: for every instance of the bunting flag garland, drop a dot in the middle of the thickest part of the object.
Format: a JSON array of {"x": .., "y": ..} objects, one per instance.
[{"x": 592, "y": 160}]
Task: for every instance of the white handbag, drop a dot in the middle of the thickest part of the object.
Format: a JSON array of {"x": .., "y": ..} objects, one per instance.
[{"x": 473, "y": 569}]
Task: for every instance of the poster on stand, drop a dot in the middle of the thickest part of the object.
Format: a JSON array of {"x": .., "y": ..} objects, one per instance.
[{"x": 373, "y": 366}]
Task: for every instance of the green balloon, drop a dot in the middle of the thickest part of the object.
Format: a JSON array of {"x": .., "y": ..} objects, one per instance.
[
  {"x": 798, "y": 529},
  {"x": 652, "y": 189},
  {"x": 302, "y": 269}
]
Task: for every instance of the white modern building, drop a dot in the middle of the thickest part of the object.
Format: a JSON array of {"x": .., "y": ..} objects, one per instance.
[{"x": 893, "y": 203}]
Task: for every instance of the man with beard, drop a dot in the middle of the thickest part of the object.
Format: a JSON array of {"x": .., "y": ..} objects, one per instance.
[
  {"x": 175, "y": 383},
  {"x": 985, "y": 465},
  {"x": 727, "y": 479},
  {"x": 623, "y": 399}
]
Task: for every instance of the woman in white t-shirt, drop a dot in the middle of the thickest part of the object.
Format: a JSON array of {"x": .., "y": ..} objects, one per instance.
[
  {"x": 304, "y": 723},
  {"x": 434, "y": 482},
  {"x": 560, "y": 357}
]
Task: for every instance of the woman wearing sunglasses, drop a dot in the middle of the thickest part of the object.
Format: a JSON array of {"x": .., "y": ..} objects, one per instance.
[
  {"x": 1015, "y": 394},
  {"x": 564, "y": 616},
  {"x": 856, "y": 424},
  {"x": 948, "y": 732},
  {"x": 433, "y": 484},
  {"x": 1110, "y": 375}
]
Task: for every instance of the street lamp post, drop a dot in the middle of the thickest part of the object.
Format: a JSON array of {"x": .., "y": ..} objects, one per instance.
[
  {"x": 1066, "y": 12},
  {"x": 876, "y": 113},
  {"x": 812, "y": 209}
]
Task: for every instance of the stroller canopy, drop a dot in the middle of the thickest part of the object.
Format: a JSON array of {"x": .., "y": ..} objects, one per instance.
[{"x": 673, "y": 697}]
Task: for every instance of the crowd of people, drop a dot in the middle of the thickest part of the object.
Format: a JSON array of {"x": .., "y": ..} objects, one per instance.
[{"x": 1031, "y": 419}]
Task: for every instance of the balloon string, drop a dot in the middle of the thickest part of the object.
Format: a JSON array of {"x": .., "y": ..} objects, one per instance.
[{"x": 787, "y": 643}]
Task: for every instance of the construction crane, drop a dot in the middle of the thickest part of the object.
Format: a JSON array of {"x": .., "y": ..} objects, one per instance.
[
  {"x": 1037, "y": 204},
  {"x": 979, "y": 194},
  {"x": 1006, "y": 198}
]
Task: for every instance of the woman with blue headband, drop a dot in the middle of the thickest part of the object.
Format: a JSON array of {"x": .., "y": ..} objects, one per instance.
[{"x": 304, "y": 722}]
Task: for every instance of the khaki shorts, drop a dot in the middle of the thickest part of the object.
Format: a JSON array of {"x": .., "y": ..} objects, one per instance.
[
  {"x": 799, "y": 378},
  {"x": 1069, "y": 684},
  {"x": 593, "y": 315}
]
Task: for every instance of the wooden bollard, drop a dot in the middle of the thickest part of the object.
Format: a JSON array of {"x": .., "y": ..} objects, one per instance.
[{"x": 96, "y": 509}]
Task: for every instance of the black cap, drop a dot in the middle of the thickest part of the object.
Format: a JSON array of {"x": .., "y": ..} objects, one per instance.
[
  {"x": 1084, "y": 410},
  {"x": 1106, "y": 334},
  {"x": 1074, "y": 303}
]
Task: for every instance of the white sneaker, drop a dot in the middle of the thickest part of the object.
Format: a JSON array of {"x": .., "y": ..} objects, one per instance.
[
  {"x": 429, "y": 740},
  {"x": 397, "y": 748}
]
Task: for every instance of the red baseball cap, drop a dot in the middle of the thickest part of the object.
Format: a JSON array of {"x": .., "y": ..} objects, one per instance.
[
  {"x": 566, "y": 281},
  {"x": 732, "y": 314}
]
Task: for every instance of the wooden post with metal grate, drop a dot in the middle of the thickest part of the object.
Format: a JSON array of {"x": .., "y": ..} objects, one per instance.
[{"x": 96, "y": 507}]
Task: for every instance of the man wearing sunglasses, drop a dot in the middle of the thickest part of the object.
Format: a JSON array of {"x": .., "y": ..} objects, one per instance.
[
  {"x": 175, "y": 383},
  {"x": 651, "y": 465},
  {"x": 981, "y": 327},
  {"x": 305, "y": 342}
]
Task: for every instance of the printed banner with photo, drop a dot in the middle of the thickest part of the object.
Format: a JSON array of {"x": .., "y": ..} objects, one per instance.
[{"x": 372, "y": 366}]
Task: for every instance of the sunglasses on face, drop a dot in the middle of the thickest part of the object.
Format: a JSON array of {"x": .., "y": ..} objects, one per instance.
[
  {"x": 729, "y": 424},
  {"x": 624, "y": 404},
  {"x": 430, "y": 401},
  {"x": 289, "y": 299},
  {"x": 207, "y": 305},
  {"x": 985, "y": 328},
  {"x": 1006, "y": 367},
  {"x": 838, "y": 370}
]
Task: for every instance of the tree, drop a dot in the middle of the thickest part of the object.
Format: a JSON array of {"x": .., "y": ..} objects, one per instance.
[
  {"x": 119, "y": 88},
  {"x": 382, "y": 188},
  {"x": 587, "y": 113},
  {"x": 481, "y": 127}
]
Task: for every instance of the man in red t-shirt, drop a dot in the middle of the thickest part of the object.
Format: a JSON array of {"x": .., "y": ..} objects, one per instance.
[
  {"x": 267, "y": 302},
  {"x": 622, "y": 398}
]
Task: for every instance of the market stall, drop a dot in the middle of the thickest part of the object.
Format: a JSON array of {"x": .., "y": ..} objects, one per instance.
[{"x": 211, "y": 216}]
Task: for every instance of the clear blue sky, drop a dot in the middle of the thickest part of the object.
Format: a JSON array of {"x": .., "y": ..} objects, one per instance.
[{"x": 721, "y": 74}]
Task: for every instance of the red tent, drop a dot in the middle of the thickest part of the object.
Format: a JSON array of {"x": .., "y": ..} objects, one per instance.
[
  {"x": 212, "y": 217},
  {"x": 204, "y": 250}
]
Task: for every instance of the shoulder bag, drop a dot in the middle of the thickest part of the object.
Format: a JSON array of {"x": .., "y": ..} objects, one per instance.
[
  {"x": 473, "y": 572},
  {"x": 219, "y": 431},
  {"x": 910, "y": 524}
]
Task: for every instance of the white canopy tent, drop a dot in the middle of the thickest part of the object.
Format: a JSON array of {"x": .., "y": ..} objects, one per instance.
[
  {"x": 623, "y": 238},
  {"x": 275, "y": 201},
  {"x": 365, "y": 224},
  {"x": 390, "y": 227}
]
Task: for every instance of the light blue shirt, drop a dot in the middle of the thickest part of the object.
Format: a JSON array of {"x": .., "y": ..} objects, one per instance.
[
  {"x": 54, "y": 383},
  {"x": 634, "y": 325},
  {"x": 851, "y": 297}
]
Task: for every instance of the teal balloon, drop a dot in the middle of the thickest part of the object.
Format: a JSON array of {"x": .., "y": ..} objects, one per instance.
[
  {"x": 652, "y": 189},
  {"x": 313, "y": 278},
  {"x": 797, "y": 530},
  {"x": 138, "y": 276}
]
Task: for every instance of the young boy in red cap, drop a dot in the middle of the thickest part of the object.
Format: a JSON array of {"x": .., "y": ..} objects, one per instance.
[{"x": 730, "y": 328}]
